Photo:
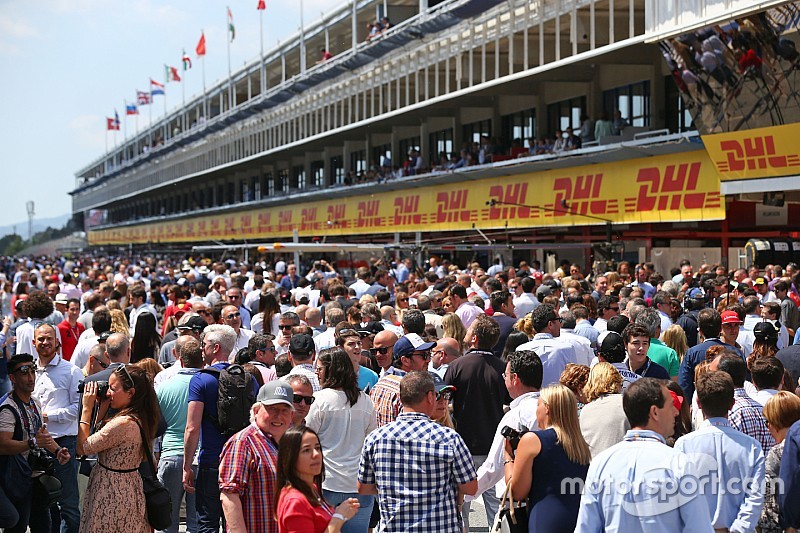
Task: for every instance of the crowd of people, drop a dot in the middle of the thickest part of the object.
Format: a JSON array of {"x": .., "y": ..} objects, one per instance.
[{"x": 282, "y": 397}]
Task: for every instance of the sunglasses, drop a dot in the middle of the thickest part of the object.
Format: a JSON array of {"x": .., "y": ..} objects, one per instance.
[
  {"x": 298, "y": 399},
  {"x": 402, "y": 299},
  {"x": 382, "y": 351},
  {"x": 26, "y": 369},
  {"x": 426, "y": 356},
  {"x": 100, "y": 362},
  {"x": 233, "y": 315},
  {"x": 123, "y": 371},
  {"x": 234, "y": 296},
  {"x": 444, "y": 395},
  {"x": 203, "y": 313},
  {"x": 347, "y": 332},
  {"x": 285, "y": 326}
]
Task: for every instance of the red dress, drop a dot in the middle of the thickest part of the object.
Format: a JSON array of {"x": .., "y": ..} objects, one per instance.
[{"x": 297, "y": 515}]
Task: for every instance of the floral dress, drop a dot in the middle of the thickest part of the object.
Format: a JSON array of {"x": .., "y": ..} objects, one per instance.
[
  {"x": 769, "y": 522},
  {"x": 114, "y": 501}
]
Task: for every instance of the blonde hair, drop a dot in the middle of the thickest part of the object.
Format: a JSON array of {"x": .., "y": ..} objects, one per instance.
[
  {"x": 454, "y": 328},
  {"x": 675, "y": 338},
  {"x": 119, "y": 324},
  {"x": 150, "y": 367},
  {"x": 603, "y": 379},
  {"x": 702, "y": 368},
  {"x": 782, "y": 410},
  {"x": 563, "y": 414},
  {"x": 446, "y": 420},
  {"x": 525, "y": 325}
]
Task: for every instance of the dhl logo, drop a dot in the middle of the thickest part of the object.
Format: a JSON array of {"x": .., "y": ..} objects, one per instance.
[
  {"x": 369, "y": 214},
  {"x": 755, "y": 153},
  {"x": 452, "y": 207},
  {"x": 406, "y": 210},
  {"x": 675, "y": 189}
]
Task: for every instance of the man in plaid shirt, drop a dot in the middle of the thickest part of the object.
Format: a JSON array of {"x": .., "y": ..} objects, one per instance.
[
  {"x": 419, "y": 469},
  {"x": 746, "y": 414}
]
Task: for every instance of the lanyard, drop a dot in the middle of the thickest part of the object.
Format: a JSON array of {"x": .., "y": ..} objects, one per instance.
[{"x": 37, "y": 419}]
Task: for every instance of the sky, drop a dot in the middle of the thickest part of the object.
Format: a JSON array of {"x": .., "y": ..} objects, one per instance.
[{"x": 66, "y": 65}]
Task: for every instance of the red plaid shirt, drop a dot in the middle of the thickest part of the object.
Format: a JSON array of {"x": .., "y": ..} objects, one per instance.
[
  {"x": 247, "y": 468},
  {"x": 386, "y": 399}
]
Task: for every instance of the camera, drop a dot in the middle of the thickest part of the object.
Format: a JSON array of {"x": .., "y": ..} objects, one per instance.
[
  {"x": 102, "y": 388},
  {"x": 512, "y": 435}
]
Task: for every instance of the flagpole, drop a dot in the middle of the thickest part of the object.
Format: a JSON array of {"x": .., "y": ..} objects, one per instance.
[
  {"x": 205, "y": 96},
  {"x": 166, "y": 81},
  {"x": 261, "y": 36},
  {"x": 150, "y": 120},
  {"x": 125, "y": 126},
  {"x": 230, "y": 79}
]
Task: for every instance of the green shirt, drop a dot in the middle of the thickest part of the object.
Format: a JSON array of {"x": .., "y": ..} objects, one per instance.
[
  {"x": 665, "y": 356},
  {"x": 173, "y": 398}
]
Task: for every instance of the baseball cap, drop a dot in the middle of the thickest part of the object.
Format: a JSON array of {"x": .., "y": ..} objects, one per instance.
[
  {"x": 301, "y": 345},
  {"x": 765, "y": 331},
  {"x": 612, "y": 344},
  {"x": 194, "y": 323},
  {"x": 408, "y": 344},
  {"x": 61, "y": 298},
  {"x": 439, "y": 384},
  {"x": 276, "y": 392},
  {"x": 695, "y": 293},
  {"x": 370, "y": 328},
  {"x": 544, "y": 290},
  {"x": 730, "y": 317},
  {"x": 760, "y": 281}
]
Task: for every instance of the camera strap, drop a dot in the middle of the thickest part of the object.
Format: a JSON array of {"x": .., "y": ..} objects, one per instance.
[{"x": 31, "y": 426}]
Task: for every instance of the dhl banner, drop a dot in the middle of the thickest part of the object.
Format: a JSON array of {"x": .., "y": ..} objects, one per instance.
[
  {"x": 676, "y": 188},
  {"x": 756, "y": 153}
]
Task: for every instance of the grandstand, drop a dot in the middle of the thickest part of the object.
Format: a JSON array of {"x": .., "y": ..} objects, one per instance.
[{"x": 366, "y": 147}]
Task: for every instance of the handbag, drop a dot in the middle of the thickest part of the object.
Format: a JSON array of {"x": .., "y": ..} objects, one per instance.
[
  {"x": 156, "y": 496},
  {"x": 514, "y": 517},
  {"x": 46, "y": 488},
  {"x": 15, "y": 471}
]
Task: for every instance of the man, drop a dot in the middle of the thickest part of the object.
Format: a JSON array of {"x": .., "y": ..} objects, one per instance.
[
  {"x": 424, "y": 304},
  {"x": 710, "y": 324},
  {"x": 248, "y": 463},
  {"x": 361, "y": 285},
  {"x": 642, "y": 277},
  {"x": 314, "y": 320},
  {"x": 583, "y": 327},
  {"x": 91, "y": 301},
  {"x": 637, "y": 344},
  {"x": 290, "y": 280},
  {"x": 382, "y": 351},
  {"x": 411, "y": 353},
  {"x": 658, "y": 352},
  {"x": 286, "y": 322},
  {"x": 101, "y": 323},
  {"x": 418, "y": 468},
  {"x": 173, "y": 370},
  {"x": 771, "y": 312},
  {"x": 382, "y": 282},
  {"x": 232, "y": 316},
  {"x": 732, "y": 461},
  {"x": 477, "y": 401},
  {"x": 349, "y": 339},
  {"x": 555, "y": 355},
  {"x": 789, "y": 312},
  {"x": 600, "y": 287},
  {"x": 607, "y": 307},
  {"x": 662, "y": 302},
  {"x": 526, "y": 301},
  {"x": 70, "y": 329},
  {"x": 301, "y": 354},
  {"x": 790, "y": 357},
  {"x": 630, "y": 487},
  {"x": 746, "y": 414},
  {"x": 465, "y": 310},
  {"x": 188, "y": 325},
  {"x": 752, "y": 309},
  {"x": 764, "y": 294},
  {"x": 334, "y": 315},
  {"x": 693, "y": 302},
  {"x": 523, "y": 379},
  {"x": 261, "y": 354},
  {"x": 138, "y": 299},
  {"x": 444, "y": 353},
  {"x": 503, "y": 306},
  {"x": 38, "y": 306},
  {"x": 235, "y": 298},
  {"x": 218, "y": 342},
  {"x": 613, "y": 350},
  {"x": 582, "y": 345},
  {"x": 118, "y": 353},
  {"x": 303, "y": 397},
  {"x": 767, "y": 376},
  {"x": 731, "y": 324},
  {"x": 173, "y": 399},
  {"x": 57, "y": 392},
  {"x": 20, "y": 416},
  {"x": 388, "y": 319}
]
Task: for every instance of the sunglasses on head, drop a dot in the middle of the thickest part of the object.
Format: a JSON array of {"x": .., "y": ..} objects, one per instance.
[
  {"x": 298, "y": 398},
  {"x": 26, "y": 369},
  {"x": 123, "y": 371},
  {"x": 348, "y": 332},
  {"x": 382, "y": 351}
]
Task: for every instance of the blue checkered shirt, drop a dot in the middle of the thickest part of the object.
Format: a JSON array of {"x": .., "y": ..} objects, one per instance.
[
  {"x": 746, "y": 415},
  {"x": 417, "y": 466}
]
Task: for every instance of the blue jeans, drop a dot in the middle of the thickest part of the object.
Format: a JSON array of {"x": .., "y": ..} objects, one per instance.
[
  {"x": 31, "y": 514},
  {"x": 69, "y": 503},
  {"x": 491, "y": 502},
  {"x": 207, "y": 503},
  {"x": 360, "y": 522},
  {"x": 170, "y": 473},
  {"x": 11, "y": 514}
]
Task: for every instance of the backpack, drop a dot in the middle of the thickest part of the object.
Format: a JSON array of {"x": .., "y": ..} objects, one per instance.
[{"x": 235, "y": 397}]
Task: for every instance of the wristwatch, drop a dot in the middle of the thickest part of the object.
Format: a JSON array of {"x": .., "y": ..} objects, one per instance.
[
  {"x": 340, "y": 516},
  {"x": 31, "y": 444}
]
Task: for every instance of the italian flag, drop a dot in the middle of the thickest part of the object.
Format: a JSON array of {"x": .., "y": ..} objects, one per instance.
[{"x": 230, "y": 25}]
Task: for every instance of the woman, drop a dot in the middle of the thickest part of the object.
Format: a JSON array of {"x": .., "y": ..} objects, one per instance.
[
  {"x": 683, "y": 422},
  {"x": 444, "y": 394},
  {"x": 6, "y": 295},
  {"x": 781, "y": 411},
  {"x": 575, "y": 377},
  {"x": 603, "y": 421},
  {"x": 150, "y": 367},
  {"x": 704, "y": 367},
  {"x": 447, "y": 305},
  {"x": 515, "y": 340},
  {"x": 114, "y": 498},
  {"x": 176, "y": 306},
  {"x": 301, "y": 470},
  {"x": 675, "y": 338},
  {"x": 765, "y": 343},
  {"x": 343, "y": 416},
  {"x": 146, "y": 341},
  {"x": 454, "y": 329},
  {"x": 119, "y": 324},
  {"x": 546, "y": 457},
  {"x": 269, "y": 312}
]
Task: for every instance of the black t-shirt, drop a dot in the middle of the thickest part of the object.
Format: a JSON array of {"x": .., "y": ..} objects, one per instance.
[
  {"x": 790, "y": 357},
  {"x": 478, "y": 399},
  {"x": 506, "y": 325}
]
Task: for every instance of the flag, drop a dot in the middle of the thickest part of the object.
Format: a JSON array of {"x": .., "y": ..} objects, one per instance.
[
  {"x": 261, "y": 5},
  {"x": 155, "y": 87},
  {"x": 116, "y": 119},
  {"x": 200, "y": 49},
  {"x": 131, "y": 109},
  {"x": 171, "y": 73},
  {"x": 230, "y": 25},
  {"x": 143, "y": 98},
  {"x": 111, "y": 124},
  {"x": 187, "y": 61}
]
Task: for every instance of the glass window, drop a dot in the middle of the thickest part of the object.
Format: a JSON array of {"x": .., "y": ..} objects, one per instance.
[
  {"x": 566, "y": 113},
  {"x": 358, "y": 161},
  {"x": 633, "y": 102},
  {"x": 474, "y": 131},
  {"x": 441, "y": 141},
  {"x": 337, "y": 170},
  {"x": 520, "y": 126},
  {"x": 318, "y": 173}
]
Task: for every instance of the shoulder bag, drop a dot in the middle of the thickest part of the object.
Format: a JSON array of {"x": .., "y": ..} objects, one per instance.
[
  {"x": 511, "y": 518},
  {"x": 157, "y": 499}
]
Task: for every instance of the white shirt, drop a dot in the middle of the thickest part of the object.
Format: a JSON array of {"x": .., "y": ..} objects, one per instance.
[
  {"x": 762, "y": 396},
  {"x": 56, "y": 390},
  {"x": 307, "y": 370},
  {"x": 144, "y": 308},
  {"x": 601, "y": 325},
  {"x": 524, "y": 304},
  {"x": 555, "y": 356},
  {"x": 360, "y": 286},
  {"x": 167, "y": 373},
  {"x": 666, "y": 322},
  {"x": 325, "y": 339},
  {"x": 582, "y": 345},
  {"x": 242, "y": 339}
]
